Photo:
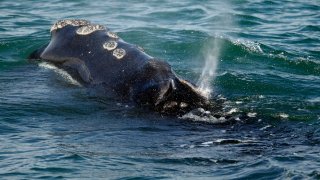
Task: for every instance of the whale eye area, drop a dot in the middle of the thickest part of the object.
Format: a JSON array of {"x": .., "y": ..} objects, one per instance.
[
  {"x": 73, "y": 22},
  {"x": 119, "y": 53},
  {"x": 88, "y": 29},
  {"x": 110, "y": 45}
]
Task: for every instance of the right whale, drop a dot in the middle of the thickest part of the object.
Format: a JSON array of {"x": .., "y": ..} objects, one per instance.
[{"x": 94, "y": 55}]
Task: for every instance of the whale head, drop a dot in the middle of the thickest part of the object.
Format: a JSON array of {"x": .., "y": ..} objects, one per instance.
[{"x": 159, "y": 87}]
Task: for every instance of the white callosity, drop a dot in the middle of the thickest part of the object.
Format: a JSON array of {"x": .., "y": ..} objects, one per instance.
[
  {"x": 65, "y": 22},
  {"x": 110, "y": 45},
  {"x": 88, "y": 29},
  {"x": 119, "y": 53},
  {"x": 112, "y": 35}
]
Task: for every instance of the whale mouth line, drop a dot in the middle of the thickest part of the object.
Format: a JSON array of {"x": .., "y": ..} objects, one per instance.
[{"x": 62, "y": 73}]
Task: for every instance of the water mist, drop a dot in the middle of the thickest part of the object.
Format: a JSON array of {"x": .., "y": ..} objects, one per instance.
[
  {"x": 212, "y": 50},
  {"x": 211, "y": 55}
]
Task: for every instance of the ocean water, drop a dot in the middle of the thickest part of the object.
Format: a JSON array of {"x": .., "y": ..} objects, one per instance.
[{"x": 260, "y": 58}]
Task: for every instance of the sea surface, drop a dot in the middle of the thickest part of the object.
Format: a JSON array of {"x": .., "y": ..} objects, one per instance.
[{"x": 260, "y": 59}]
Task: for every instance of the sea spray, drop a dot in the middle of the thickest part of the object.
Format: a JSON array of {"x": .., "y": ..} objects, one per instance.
[
  {"x": 211, "y": 54},
  {"x": 212, "y": 49}
]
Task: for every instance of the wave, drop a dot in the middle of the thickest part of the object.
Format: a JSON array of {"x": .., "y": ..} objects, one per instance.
[{"x": 245, "y": 51}]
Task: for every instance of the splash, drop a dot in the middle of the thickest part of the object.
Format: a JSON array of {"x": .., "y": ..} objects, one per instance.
[{"x": 201, "y": 115}]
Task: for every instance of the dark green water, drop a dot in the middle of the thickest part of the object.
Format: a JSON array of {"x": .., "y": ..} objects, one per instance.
[{"x": 268, "y": 56}]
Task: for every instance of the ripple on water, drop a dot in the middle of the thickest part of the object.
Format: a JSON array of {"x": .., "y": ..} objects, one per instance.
[
  {"x": 195, "y": 161},
  {"x": 54, "y": 169}
]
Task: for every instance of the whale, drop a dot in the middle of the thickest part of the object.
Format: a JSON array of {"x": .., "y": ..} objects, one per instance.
[{"x": 94, "y": 55}]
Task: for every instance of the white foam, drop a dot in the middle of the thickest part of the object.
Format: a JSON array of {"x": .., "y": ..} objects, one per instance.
[
  {"x": 249, "y": 45},
  {"x": 183, "y": 145},
  {"x": 200, "y": 115},
  {"x": 252, "y": 114},
  {"x": 314, "y": 100},
  {"x": 66, "y": 76},
  {"x": 265, "y": 127},
  {"x": 234, "y": 141},
  {"x": 233, "y": 110},
  {"x": 238, "y": 102},
  {"x": 283, "y": 115},
  {"x": 207, "y": 143}
]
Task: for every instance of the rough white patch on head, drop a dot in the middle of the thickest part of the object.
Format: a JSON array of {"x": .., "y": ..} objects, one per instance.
[
  {"x": 110, "y": 45},
  {"x": 112, "y": 35},
  {"x": 88, "y": 29},
  {"x": 65, "y": 22},
  {"x": 119, "y": 53}
]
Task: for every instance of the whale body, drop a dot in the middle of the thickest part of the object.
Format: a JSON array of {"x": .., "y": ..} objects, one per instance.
[{"x": 94, "y": 55}]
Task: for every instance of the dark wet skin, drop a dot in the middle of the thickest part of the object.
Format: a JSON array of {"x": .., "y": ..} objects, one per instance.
[{"x": 136, "y": 76}]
